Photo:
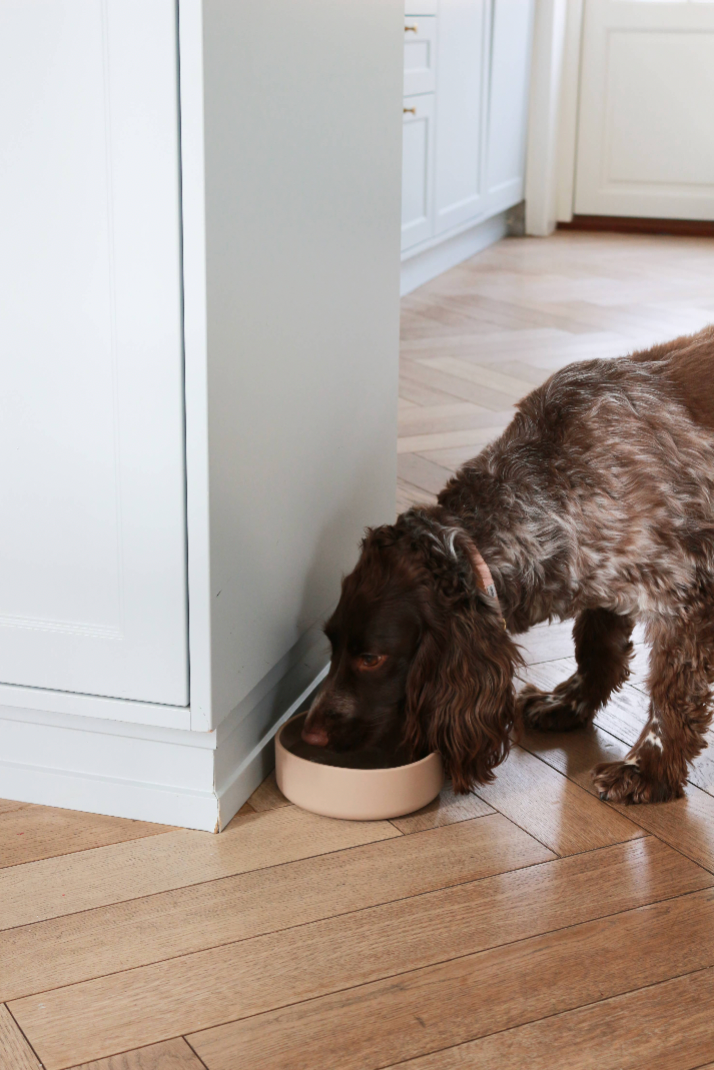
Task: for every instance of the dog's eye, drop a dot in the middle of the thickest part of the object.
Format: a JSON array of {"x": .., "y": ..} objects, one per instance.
[{"x": 366, "y": 662}]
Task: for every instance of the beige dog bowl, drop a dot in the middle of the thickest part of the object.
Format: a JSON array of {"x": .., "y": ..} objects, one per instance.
[{"x": 357, "y": 794}]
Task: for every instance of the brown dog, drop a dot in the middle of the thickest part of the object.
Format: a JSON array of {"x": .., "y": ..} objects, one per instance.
[{"x": 597, "y": 503}]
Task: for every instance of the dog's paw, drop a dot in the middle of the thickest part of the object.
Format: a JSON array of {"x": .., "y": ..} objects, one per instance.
[
  {"x": 551, "y": 711},
  {"x": 622, "y": 782}
]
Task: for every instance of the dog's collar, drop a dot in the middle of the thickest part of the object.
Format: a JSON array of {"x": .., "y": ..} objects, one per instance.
[
  {"x": 483, "y": 572},
  {"x": 483, "y": 575}
]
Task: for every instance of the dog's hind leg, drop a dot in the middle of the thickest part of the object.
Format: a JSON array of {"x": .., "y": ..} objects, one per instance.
[
  {"x": 680, "y": 685},
  {"x": 603, "y": 649}
]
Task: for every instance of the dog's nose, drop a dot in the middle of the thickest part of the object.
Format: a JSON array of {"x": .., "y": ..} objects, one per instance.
[{"x": 315, "y": 735}]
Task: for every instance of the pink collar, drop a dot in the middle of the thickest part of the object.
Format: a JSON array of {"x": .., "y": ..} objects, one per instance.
[{"x": 484, "y": 577}]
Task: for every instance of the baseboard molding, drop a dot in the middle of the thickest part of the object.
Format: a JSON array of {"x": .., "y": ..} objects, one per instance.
[
  {"x": 683, "y": 228},
  {"x": 190, "y": 779},
  {"x": 240, "y": 781},
  {"x": 426, "y": 262}
]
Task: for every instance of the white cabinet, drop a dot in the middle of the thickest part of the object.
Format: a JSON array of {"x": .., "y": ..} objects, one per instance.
[
  {"x": 477, "y": 136},
  {"x": 199, "y": 319},
  {"x": 462, "y": 84},
  {"x": 511, "y": 32},
  {"x": 93, "y": 563},
  {"x": 417, "y": 169}
]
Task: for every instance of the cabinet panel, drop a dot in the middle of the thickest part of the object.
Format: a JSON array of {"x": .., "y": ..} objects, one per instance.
[
  {"x": 420, "y": 7},
  {"x": 92, "y": 573},
  {"x": 511, "y": 43},
  {"x": 462, "y": 66},
  {"x": 419, "y": 55},
  {"x": 645, "y": 145},
  {"x": 417, "y": 170}
]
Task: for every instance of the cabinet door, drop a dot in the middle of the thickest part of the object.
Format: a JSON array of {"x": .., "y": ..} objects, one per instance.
[
  {"x": 419, "y": 55},
  {"x": 417, "y": 170},
  {"x": 462, "y": 67},
  {"x": 511, "y": 45},
  {"x": 645, "y": 141},
  {"x": 92, "y": 564}
]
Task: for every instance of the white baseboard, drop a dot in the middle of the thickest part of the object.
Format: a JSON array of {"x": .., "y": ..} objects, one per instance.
[
  {"x": 242, "y": 778},
  {"x": 191, "y": 779},
  {"x": 437, "y": 256}
]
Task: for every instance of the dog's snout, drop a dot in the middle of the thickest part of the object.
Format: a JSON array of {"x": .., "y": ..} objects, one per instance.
[
  {"x": 314, "y": 734},
  {"x": 314, "y": 730}
]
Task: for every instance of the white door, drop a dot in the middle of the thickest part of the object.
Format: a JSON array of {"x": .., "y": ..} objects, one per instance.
[
  {"x": 462, "y": 73},
  {"x": 92, "y": 551},
  {"x": 417, "y": 170},
  {"x": 645, "y": 131}
]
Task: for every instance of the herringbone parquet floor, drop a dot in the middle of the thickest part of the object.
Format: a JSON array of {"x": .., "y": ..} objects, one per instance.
[{"x": 528, "y": 926}]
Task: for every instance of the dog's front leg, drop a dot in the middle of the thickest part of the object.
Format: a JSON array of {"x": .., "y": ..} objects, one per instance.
[
  {"x": 681, "y": 674},
  {"x": 603, "y": 649}
]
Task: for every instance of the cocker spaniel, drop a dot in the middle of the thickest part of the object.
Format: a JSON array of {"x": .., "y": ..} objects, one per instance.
[{"x": 597, "y": 504}]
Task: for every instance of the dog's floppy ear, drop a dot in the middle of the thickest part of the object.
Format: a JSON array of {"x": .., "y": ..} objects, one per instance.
[{"x": 460, "y": 696}]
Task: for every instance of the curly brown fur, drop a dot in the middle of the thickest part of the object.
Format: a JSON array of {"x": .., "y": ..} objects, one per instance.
[{"x": 597, "y": 503}]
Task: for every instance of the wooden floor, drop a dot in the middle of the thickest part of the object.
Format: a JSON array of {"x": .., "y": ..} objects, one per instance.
[{"x": 528, "y": 926}]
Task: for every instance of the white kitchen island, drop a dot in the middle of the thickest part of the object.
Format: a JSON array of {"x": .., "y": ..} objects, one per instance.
[{"x": 199, "y": 278}]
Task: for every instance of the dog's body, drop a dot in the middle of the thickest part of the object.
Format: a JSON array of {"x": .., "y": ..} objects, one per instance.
[{"x": 597, "y": 503}]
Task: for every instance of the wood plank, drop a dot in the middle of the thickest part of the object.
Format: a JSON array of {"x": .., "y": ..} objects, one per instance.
[
  {"x": 66, "y": 950},
  {"x": 687, "y": 824},
  {"x": 34, "y": 832},
  {"x": 268, "y": 796},
  {"x": 246, "y": 808},
  {"x": 547, "y": 642},
  {"x": 15, "y": 1052},
  {"x": 423, "y": 395},
  {"x": 528, "y": 371},
  {"x": 472, "y": 996},
  {"x": 169, "y": 1055},
  {"x": 452, "y": 458},
  {"x": 475, "y": 373},
  {"x": 470, "y": 436},
  {"x": 411, "y": 371},
  {"x": 625, "y": 714},
  {"x": 421, "y": 473},
  {"x": 666, "y": 1027},
  {"x": 249, "y": 978},
  {"x": 495, "y": 344},
  {"x": 58, "y": 886},
  {"x": 433, "y": 419},
  {"x": 409, "y": 496},
  {"x": 415, "y": 416},
  {"x": 446, "y": 809},
  {"x": 550, "y": 807}
]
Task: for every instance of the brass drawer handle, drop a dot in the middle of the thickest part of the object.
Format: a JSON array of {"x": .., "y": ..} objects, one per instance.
[
  {"x": 409, "y": 111},
  {"x": 411, "y": 29}
]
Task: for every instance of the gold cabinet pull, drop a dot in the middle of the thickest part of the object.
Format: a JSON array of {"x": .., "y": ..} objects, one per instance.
[
  {"x": 411, "y": 29},
  {"x": 409, "y": 111}
]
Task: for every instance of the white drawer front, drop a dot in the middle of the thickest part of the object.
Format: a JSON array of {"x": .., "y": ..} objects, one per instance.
[
  {"x": 419, "y": 55},
  {"x": 420, "y": 7}
]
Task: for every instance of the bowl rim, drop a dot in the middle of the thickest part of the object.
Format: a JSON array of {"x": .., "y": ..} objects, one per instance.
[{"x": 393, "y": 770}]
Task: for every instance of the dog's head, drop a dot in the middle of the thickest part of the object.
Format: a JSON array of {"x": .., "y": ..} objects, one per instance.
[{"x": 419, "y": 654}]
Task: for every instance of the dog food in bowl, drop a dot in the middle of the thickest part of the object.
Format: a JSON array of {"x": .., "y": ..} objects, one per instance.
[{"x": 366, "y": 786}]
